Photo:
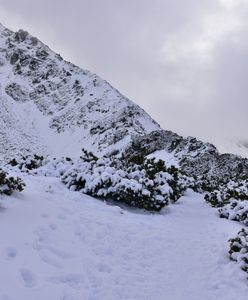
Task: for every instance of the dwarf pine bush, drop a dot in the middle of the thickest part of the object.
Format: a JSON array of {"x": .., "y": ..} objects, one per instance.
[
  {"x": 238, "y": 250},
  {"x": 236, "y": 210},
  {"x": 136, "y": 181},
  {"x": 27, "y": 163},
  {"x": 224, "y": 192},
  {"x": 9, "y": 184}
]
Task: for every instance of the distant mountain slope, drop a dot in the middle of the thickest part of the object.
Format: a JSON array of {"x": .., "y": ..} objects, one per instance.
[
  {"x": 227, "y": 145},
  {"x": 194, "y": 157},
  {"x": 53, "y": 96}
]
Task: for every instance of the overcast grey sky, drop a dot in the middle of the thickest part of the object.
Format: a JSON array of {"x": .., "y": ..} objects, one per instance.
[{"x": 184, "y": 62}]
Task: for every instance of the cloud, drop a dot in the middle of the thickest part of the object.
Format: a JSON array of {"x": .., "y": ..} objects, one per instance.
[{"x": 185, "y": 62}]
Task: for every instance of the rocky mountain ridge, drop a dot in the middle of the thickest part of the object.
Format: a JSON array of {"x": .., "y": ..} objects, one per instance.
[
  {"x": 194, "y": 157},
  {"x": 65, "y": 98}
]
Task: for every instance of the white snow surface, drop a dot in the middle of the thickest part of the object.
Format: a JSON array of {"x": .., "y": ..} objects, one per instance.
[
  {"x": 58, "y": 244},
  {"x": 168, "y": 158}
]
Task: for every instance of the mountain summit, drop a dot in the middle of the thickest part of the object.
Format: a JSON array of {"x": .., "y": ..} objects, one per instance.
[{"x": 51, "y": 106}]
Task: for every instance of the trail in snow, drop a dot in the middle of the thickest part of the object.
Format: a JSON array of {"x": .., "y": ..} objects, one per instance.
[{"x": 58, "y": 244}]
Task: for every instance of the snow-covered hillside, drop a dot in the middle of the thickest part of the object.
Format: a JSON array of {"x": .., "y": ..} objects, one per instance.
[
  {"x": 52, "y": 105},
  {"x": 57, "y": 244}
]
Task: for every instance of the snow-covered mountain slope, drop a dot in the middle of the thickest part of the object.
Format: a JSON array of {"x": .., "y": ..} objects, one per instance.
[
  {"x": 53, "y": 104},
  {"x": 16, "y": 135},
  {"x": 58, "y": 244}
]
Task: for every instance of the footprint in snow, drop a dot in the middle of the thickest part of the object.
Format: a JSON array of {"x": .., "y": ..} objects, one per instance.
[
  {"x": 46, "y": 258},
  {"x": 67, "y": 211},
  {"x": 44, "y": 215},
  {"x": 80, "y": 234},
  {"x": 61, "y": 217},
  {"x": 59, "y": 253},
  {"x": 50, "y": 189},
  {"x": 94, "y": 280},
  {"x": 10, "y": 253},
  {"x": 67, "y": 297},
  {"x": 52, "y": 226},
  {"x": 73, "y": 280},
  {"x": 104, "y": 268},
  {"x": 28, "y": 278}
]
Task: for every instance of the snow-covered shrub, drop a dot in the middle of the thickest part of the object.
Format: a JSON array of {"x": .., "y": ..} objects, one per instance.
[
  {"x": 55, "y": 167},
  {"x": 216, "y": 198},
  {"x": 9, "y": 184},
  {"x": 236, "y": 210},
  {"x": 239, "y": 249},
  {"x": 225, "y": 191},
  {"x": 27, "y": 163},
  {"x": 208, "y": 183},
  {"x": 139, "y": 182}
]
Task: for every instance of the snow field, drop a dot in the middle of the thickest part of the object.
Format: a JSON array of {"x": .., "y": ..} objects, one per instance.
[{"x": 62, "y": 245}]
